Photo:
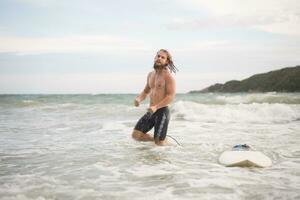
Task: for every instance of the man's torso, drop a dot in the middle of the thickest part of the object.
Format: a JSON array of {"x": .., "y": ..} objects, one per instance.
[{"x": 157, "y": 85}]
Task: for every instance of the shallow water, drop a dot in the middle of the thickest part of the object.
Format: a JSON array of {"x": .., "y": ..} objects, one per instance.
[{"x": 80, "y": 147}]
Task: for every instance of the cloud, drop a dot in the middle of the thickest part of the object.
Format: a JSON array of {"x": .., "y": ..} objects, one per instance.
[
  {"x": 196, "y": 81},
  {"x": 113, "y": 82},
  {"x": 41, "y": 3},
  {"x": 69, "y": 44},
  {"x": 72, "y": 83},
  {"x": 279, "y": 16},
  {"x": 203, "y": 45}
]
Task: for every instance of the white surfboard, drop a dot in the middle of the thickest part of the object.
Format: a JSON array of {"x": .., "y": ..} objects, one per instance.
[{"x": 244, "y": 158}]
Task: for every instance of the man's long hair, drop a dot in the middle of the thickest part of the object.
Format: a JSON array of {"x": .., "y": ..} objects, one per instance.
[{"x": 170, "y": 65}]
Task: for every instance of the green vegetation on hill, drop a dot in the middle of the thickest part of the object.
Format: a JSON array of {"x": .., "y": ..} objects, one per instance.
[{"x": 283, "y": 80}]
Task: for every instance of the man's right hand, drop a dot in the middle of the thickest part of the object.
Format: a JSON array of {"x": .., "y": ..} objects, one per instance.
[{"x": 136, "y": 103}]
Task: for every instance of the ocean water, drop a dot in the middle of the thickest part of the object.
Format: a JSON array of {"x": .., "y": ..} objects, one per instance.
[{"x": 80, "y": 147}]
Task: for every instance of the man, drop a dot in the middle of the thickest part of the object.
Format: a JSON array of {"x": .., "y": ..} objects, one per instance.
[{"x": 161, "y": 87}]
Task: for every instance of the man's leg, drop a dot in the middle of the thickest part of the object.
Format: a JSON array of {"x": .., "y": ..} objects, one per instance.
[
  {"x": 161, "y": 126},
  {"x": 140, "y": 136},
  {"x": 161, "y": 142},
  {"x": 144, "y": 125}
]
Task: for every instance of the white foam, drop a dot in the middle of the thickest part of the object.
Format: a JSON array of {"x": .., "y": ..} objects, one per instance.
[
  {"x": 85, "y": 150},
  {"x": 259, "y": 113},
  {"x": 113, "y": 126},
  {"x": 28, "y": 101},
  {"x": 271, "y": 97}
]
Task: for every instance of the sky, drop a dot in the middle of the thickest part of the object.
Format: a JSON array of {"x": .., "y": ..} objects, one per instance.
[{"x": 99, "y": 46}]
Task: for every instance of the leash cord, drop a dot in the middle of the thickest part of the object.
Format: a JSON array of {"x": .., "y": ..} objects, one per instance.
[{"x": 174, "y": 140}]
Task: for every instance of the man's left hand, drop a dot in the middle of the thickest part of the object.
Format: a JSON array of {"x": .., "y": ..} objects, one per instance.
[{"x": 152, "y": 109}]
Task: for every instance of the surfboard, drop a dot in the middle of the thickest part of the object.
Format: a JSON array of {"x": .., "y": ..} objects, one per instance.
[{"x": 241, "y": 157}]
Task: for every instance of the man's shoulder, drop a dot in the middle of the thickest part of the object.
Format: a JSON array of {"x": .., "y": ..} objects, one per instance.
[
  {"x": 151, "y": 72},
  {"x": 168, "y": 75}
]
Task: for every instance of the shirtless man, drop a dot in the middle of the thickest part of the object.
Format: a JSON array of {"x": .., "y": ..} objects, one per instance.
[{"x": 161, "y": 88}]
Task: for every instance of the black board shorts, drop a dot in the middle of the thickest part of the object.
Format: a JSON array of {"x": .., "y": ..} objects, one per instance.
[{"x": 159, "y": 120}]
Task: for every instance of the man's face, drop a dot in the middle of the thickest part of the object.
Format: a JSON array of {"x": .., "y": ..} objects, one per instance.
[{"x": 160, "y": 60}]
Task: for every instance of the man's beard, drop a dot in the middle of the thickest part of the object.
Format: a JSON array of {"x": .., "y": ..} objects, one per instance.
[{"x": 159, "y": 66}]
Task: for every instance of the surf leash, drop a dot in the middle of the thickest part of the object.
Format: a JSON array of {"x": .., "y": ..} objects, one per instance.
[{"x": 174, "y": 140}]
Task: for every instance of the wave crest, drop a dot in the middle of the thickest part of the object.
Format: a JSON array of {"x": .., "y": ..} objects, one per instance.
[{"x": 231, "y": 113}]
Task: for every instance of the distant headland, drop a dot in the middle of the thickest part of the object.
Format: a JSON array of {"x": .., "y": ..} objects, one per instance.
[{"x": 282, "y": 80}]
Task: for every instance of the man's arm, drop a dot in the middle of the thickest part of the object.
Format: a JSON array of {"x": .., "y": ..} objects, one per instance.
[
  {"x": 144, "y": 93},
  {"x": 170, "y": 94}
]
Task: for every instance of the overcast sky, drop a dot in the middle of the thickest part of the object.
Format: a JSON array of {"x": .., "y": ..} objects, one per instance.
[{"x": 95, "y": 46}]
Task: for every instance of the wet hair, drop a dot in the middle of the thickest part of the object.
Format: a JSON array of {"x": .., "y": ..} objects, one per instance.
[{"x": 170, "y": 65}]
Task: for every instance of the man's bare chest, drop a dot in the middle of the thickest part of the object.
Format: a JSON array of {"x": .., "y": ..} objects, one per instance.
[{"x": 157, "y": 82}]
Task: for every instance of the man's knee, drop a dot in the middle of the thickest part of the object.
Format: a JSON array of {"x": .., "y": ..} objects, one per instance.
[
  {"x": 136, "y": 134},
  {"x": 140, "y": 136}
]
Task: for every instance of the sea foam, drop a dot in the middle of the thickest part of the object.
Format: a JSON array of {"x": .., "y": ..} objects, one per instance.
[{"x": 256, "y": 113}]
